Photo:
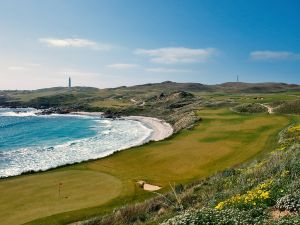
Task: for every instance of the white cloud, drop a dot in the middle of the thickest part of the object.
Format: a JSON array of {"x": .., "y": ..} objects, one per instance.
[
  {"x": 122, "y": 66},
  {"x": 82, "y": 77},
  {"x": 77, "y": 73},
  {"x": 33, "y": 64},
  {"x": 177, "y": 55},
  {"x": 274, "y": 55},
  {"x": 76, "y": 43},
  {"x": 166, "y": 70},
  {"x": 17, "y": 68},
  {"x": 23, "y": 67}
]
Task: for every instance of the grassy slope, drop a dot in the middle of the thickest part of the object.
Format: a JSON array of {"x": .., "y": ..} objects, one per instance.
[
  {"x": 259, "y": 192},
  {"x": 222, "y": 140}
]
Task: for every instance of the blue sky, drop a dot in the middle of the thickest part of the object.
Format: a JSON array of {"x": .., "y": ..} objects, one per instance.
[{"x": 110, "y": 43}]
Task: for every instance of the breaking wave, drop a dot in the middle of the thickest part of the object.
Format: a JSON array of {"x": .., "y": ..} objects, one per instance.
[{"x": 30, "y": 142}]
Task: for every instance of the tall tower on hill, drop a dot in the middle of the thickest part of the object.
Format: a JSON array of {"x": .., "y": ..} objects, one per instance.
[{"x": 70, "y": 82}]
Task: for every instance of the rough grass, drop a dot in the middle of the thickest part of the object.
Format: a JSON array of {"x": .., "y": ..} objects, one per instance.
[{"x": 180, "y": 159}]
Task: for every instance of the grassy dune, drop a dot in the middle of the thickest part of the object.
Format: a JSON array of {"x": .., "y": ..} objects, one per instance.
[{"x": 221, "y": 140}]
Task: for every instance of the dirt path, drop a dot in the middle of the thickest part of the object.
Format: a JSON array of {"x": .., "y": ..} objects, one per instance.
[{"x": 270, "y": 109}]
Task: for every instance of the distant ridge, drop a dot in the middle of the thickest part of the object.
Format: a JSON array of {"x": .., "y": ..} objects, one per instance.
[
  {"x": 175, "y": 86},
  {"x": 224, "y": 87},
  {"x": 257, "y": 87}
]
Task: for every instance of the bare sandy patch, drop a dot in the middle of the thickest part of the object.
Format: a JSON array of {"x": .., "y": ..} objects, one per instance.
[{"x": 148, "y": 187}]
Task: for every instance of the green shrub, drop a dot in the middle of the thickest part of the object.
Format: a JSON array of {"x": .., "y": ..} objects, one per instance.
[
  {"x": 208, "y": 216},
  {"x": 292, "y": 107},
  {"x": 289, "y": 202},
  {"x": 250, "y": 108}
]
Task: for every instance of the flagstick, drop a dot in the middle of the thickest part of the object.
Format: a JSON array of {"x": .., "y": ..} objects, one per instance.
[{"x": 59, "y": 186}]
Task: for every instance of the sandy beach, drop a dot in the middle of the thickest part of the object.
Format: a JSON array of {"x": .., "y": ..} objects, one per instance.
[{"x": 161, "y": 129}]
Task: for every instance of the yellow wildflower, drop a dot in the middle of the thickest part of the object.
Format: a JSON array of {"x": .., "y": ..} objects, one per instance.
[{"x": 251, "y": 197}]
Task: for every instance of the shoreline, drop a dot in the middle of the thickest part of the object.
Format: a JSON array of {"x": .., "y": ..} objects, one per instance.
[
  {"x": 160, "y": 131},
  {"x": 160, "y": 128}
]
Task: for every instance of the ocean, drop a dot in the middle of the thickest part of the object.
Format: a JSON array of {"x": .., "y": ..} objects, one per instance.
[{"x": 30, "y": 142}]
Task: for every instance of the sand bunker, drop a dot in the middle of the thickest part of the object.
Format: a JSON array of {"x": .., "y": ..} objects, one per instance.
[{"x": 148, "y": 187}]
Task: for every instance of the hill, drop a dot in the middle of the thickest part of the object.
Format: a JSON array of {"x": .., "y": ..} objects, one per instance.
[
  {"x": 88, "y": 96},
  {"x": 256, "y": 87}
]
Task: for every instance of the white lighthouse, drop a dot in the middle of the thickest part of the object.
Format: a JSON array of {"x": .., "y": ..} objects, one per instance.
[{"x": 70, "y": 82}]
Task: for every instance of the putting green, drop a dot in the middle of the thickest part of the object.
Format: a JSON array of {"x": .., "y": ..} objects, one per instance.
[{"x": 46, "y": 194}]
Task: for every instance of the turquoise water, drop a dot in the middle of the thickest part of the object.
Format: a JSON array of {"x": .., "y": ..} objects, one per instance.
[{"x": 29, "y": 142}]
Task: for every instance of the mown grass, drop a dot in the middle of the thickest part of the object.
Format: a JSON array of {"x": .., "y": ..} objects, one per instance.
[
  {"x": 233, "y": 139},
  {"x": 54, "y": 193}
]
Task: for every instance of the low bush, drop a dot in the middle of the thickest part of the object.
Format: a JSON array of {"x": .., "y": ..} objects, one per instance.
[
  {"x": 290, "y": 202},
  {"x": 208, "y": 216},
  {"x": 250, "y": 108},
  {"x": 291, "y": 107}
]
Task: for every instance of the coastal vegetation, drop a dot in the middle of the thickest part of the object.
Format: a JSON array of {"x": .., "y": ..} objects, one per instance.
[{"x": 217, "y": 164}]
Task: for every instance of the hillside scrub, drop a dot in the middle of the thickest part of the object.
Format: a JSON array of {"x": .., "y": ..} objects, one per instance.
[
  {"x": 291, "y": 107},
  {"x": 250, "y": 108}
]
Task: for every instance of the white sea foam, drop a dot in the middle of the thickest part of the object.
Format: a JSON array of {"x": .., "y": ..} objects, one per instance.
[
  {"x": 20, "y": 112},
  {"x": 114, "y": 135},
  {"x": 70, "y": 115}
]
